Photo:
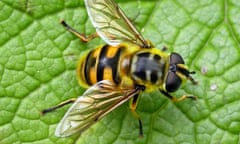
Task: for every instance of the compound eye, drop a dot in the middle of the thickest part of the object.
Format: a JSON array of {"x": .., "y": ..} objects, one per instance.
[
  {"x": 173, "y": 82},
  {"x": 175, "y": 58}
]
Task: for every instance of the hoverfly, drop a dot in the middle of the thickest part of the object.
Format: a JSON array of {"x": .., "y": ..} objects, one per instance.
[{"x": 118, "y": 71}]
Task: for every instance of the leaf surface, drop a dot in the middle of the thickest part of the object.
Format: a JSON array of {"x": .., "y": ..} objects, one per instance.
[{"x": 38, "y": 58}]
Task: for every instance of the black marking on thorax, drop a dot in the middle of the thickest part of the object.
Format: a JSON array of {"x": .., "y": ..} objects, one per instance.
[{"x": 148, "y": 67}]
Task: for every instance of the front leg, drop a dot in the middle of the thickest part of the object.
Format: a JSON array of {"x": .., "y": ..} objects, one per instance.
[{"x": 174, "y": 99}]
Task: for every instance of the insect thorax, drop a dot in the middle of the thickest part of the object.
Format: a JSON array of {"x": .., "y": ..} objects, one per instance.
[{"x": 148, "y": 68}]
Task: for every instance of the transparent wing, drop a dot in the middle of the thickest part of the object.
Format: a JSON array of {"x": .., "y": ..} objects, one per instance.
[
  {"x": 96, "y": 102},
  {"x": 112, "y": 24}
]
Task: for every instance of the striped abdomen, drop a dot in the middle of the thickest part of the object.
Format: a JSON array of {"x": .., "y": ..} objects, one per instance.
[{"x": 100, "y": 64}]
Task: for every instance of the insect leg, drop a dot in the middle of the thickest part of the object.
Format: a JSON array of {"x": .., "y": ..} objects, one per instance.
[
  {"x": 177, "y": 99},
  {"x": 82, "y": 37},
  {"x": 133, "y": 106},
  {"x": 191, "y": 79},
  {"x": 58, "y": 106},
  {"x": 164, "y": 49}
]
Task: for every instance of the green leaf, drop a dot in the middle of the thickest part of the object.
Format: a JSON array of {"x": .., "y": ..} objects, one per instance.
[{"x": 38, "y": 58}]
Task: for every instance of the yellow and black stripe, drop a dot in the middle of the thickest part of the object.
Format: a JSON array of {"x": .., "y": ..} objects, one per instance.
[{"x": 101, "y": 63}]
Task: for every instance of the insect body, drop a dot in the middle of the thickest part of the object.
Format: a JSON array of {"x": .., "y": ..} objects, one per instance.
[
  {"x": 118, "y": 71},
  {"x": 119, "y": 63}
]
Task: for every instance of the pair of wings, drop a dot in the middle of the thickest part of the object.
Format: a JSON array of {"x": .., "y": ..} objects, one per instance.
[{"x": 113, "y": 27}]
